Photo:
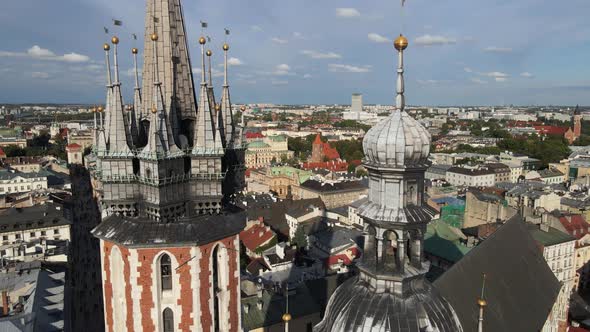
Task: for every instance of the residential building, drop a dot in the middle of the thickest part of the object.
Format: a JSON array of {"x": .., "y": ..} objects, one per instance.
[
  {"x": 336, "y": 248},
  {"x": 437, "y": 172},
  {"x": 333, "y": 194},
  {"x": 549, "y": 176},
  {"x": 559, "y": 251},
  {"x": 502, "y": 171},
  {"x": 485, "y": 208},
  {"x": 40, "y": 232},
  {"x": 84, "y": 138},
  {"x": 256, "y": 237},
  {"x": 528, "y": 164},
  {"x": 14, "y": 182},
  {"x": 74, "y": 152},
  {"x": 24, "y": 164},
  {"x": 460, "y": 176}
]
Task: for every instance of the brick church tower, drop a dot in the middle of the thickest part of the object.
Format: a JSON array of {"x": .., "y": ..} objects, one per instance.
[
  {"x": 577, "y": 123},
  {"x": 167, "y": 168}
]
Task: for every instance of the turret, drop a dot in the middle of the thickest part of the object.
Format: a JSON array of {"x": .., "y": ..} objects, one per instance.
[
  {"x": 228, "y": 128},
  {"x": 118, "y": 139}
]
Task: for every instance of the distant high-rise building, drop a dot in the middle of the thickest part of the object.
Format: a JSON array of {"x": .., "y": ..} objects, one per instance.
[
  {"x": 357, "y": 103},
  {"x": 169, "y": 245}
]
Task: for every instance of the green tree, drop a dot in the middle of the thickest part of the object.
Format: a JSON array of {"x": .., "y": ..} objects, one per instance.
[{"x": 300, "y": 239}]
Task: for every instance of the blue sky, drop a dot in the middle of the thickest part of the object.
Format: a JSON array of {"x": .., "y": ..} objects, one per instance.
[{"x": 461, "y": 52}]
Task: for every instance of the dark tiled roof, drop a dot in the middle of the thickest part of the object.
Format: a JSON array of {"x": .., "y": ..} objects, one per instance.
[
  {"x": 470, "y": 172},
  {"x": 550, "y": 237},
  {"x": 39, "y": 216},
  {"x": 317, "y": 186},
  {"x": 520, "y": 288},
  {"x": 137, "y": 232}
]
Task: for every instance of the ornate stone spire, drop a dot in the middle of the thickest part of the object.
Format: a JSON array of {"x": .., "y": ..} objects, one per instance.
[
  {"x": 101, "y": 145},
  {"x": 165, "y": 18},
  {"x": 205, "y": 140},
  {"x": 157, "y": 145},
  {"x": 137, "y": 113},
  {"x": 119, "y": 139},
  {"x": 107, "y": 106},
  {"x": 401, "y": 43},
  {"x": 210, "y": 89},
  {"x": 226, "y": 126}
]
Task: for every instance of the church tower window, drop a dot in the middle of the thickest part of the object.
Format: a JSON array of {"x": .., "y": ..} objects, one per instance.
[
  {"x": 166, "y": 272},
  {"x": 168, "y": 319}
]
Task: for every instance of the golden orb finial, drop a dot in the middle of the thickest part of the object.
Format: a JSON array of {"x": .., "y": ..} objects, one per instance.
[
  {"x": 482, "y": 302},
  {"x": 154, "y": 36},
  {"x": 94, "y": 110},
  {"x": 209, "y": 53},
  {"x": 225, "y": 47},
  {"x": 286, "y": 317},
  {"x": 217, "y": 107},
  {"x": 154, "y": 109},
  {"x": 400, "y": 43},
  {"x": 202, "y": 40},
  {"x": 106, "y": 47},
  {"x": 100, "y": 109},
  {"x": 134, "y": 50},
  {"x": 243, "y": 108},
  {"x": 115, "y": 40}
]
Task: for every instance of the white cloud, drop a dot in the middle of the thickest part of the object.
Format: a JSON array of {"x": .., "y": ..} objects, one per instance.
[
  {"x": 496, "y": 74},
  {"x": 40, "y": 75},
  {"x": 298, "y": 35},
  {"x": 277, "y": 82},
  {"x": 347, "y": 12},
  {"x": 214, "y": 72},
  {"x": 494, "y": 49},
  {"x": 10, "y": 54},
  {"x": 501, "y": 79},
  {"x": 234, "y": 62},
  {"x": 256, "y": 28},
  {"x": 478, "y": 81},
  {"x": 320, "y": 55},
  {"x": 527, "y": 74},
  {"x": 307, "y": 76},
  {"x": 279, "y": 40},
  {"x": 38, "y": 52},
  {"x": 428, "y": 40},
  {"x": 340, "y": 68},
  {"x": 282, "y": 70},
  {"x": 377, "y": 38},
  {"x": 75, "y": 57},
  {"x": 468, "y": 70}
]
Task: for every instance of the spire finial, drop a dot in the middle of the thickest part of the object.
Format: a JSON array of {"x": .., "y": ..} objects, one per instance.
[
  {"x": 225, "y": 49},
  {"x": 209, "y": 54},
  {"x": 400, "y": 44},
  {"x": 202, "y": 41},
  {"x": 482, "y": 303},
  {"x": 115, "y": 41}
]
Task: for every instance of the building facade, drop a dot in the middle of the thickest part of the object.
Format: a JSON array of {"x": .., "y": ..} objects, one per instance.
[{"x": 263, "y": 152}]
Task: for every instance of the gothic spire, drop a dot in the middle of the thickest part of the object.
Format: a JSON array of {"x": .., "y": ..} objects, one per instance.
[
  {"x": 210, "y": 89},
  {"x": 136, "y": 112},
  {"x": 226, "y": 127},
  {"x": 157, "y": 144},
  {"x": 205, "y": 142},
  {"x": 119, "y": 139},
  {"x": 109, "y": 86}
]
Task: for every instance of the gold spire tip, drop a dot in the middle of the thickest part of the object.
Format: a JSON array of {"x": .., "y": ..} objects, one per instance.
[
  {"x": 134, "y": 50},
  {"x": 209, "y": 53},
  {"x": 106, "y": 47},
  {"x": 154, "y": 36},
  {"x": 217, "y": 107},
  {"x": 286, "y": 317},
  {"x": 100, "y": 109},
  {"x": 225, "y": 47},
  {"x": 401, "y": 43},
  {"x": 154, "y": 109},
  {"x": 115, "y": 40},
  {"x": 202, "y": 40}
]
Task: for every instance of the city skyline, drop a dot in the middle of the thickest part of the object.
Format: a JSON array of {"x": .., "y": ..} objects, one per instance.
[{"x": 316, "y": 53}]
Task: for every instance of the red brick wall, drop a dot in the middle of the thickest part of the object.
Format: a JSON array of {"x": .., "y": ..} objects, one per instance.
[{"x": 185, "y": 302}]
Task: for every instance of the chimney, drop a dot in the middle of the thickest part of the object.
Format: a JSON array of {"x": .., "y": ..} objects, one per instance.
[{"x": 5, "y": 304}]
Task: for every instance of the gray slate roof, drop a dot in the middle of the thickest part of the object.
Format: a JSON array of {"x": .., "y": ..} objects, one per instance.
[
  {"x": 136, "y": 232},
  {"x": 520, "y": 288}
]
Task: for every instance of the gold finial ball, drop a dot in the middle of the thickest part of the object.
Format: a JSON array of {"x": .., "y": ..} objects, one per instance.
[
  {"x": 482, "y": 302},
  {"x": 209, "y": 53},
  {"x": 202, "y": 40},
  {"x": 243, "y": 108},
  {"x": 154, "y": 36},
  {"x": 134, "y": 50},
  {"x": 217, "y": 107},
  {"x": 286, "y": 317},
  {"x": 94, "y": 110},
  {"x": 115, "y": 40},
  {"x": 225, "y": 47},
  {"x": 100, "y": 109},
  {"x": 154, "y": 109},
  {"x": 106, "y": 47},
  {"x": 400, "y": 43}
]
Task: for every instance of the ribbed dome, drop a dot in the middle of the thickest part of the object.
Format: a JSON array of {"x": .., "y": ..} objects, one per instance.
[
  {"x": 354, "y": 307},
  {"x": 398, "y": 141}
]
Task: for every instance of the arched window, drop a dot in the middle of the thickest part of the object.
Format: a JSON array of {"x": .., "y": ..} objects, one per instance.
[
  {"x": 168, "y": 320},
  {"x": 166, "y": 272},
  {"x": 216, "y": 288}
]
